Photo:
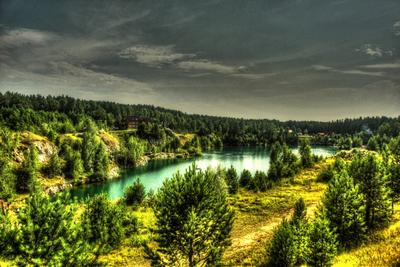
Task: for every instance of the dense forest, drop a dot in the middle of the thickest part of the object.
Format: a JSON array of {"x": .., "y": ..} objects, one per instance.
[
  {"x": 63, "y": 114},
  {"x": 193, "y": 214}
]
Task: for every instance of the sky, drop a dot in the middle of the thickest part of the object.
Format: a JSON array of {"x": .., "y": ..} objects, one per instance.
[{"x": 275, "y": 59}]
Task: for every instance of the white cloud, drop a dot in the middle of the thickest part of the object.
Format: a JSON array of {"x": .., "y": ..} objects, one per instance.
[
  {"x": 374, "y": 51},
  {"x": 153, "y": 55},
  {"x": 23, "y": 36},
  {"x": 205, "y": 65},
  {"x": 349, "y": 71},
  {"x": 383, "y": 66},
  {"x": 321, "y": 67}
]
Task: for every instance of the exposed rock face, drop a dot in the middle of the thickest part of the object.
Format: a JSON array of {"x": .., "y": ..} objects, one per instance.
[
  {"x": 54, "y": 189},
  {"x": 45, "y": 150}
]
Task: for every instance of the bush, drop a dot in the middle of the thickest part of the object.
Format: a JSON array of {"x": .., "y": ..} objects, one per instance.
[{"x": 135, "y": 194}]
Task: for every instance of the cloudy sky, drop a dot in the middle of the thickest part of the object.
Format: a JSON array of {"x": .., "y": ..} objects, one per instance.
[{"x": 283, "y": 59}]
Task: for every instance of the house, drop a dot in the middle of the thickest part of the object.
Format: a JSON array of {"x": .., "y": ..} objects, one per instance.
[{"x": 134, "y": 121}]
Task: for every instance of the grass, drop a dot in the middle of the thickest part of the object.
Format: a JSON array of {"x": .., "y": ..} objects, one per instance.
[{"x": 381, "y": 249}]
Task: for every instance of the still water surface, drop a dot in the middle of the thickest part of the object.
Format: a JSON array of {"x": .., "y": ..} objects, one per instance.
[{"x": 153, "y": 174}]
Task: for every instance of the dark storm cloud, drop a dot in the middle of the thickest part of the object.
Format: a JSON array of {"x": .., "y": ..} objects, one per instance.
[{"x": 286, "y": 59}]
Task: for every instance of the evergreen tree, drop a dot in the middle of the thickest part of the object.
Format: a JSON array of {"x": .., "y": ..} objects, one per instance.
[
  {"x": 245, "y": 178},
  {"x": 89, "y": 147},
  {"x": 74, "y": 165},
  {"x": 135, "y": 194},
  {"x": 283, "y": 163},
  {"x": 343, "y": 206},
  {"x": 369, "y": 172},
  {"x": 232, "y": 180},
  {"x": 101, "y": 164},
  {"x": 46, "y": 234},
  {"x": 306, "y": 157},
  {"x": 394, "y": 181},
  {"x": 193, "y": 219},
  {"x": 323, "y": 244},
  {"x": 300, "y": 211},
  {"x": 54, "y": 167},
  {"x": 373, "y": 143},
  {"x": 102, "y": 223},
  {"x": 283, "y": 249},
  {"x": 260, "y": 182},
  {"x": 7, "y": 178},
  {"x": 28, "y": 174}
]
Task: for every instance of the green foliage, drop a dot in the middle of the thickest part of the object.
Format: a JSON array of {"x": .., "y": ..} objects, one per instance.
[
  {"x": 28, "y": 174},
  {"x": 46, "y": 235},
  {"x": 132, "y": 151},
  {"x": 300, "y": 211},
  {"x": 323, "y": 244},
  {"x": 373, "y": 143},
  {"x": 329, "y": 172},
  {"x": 370, "y": 173},
  {"x": 344, "y": 208},
  {"x": 90, "y": 143},
  {"x": 7, "y": 178},
  {"x": 54, "y": 166},
  {"x": 306, "y": 157},
  {"x": 193, "y": 219},
  {"x": 74, "y": 165},
  {"x": 260, "y": 182},
  {"x": 232, "y": 180},
  {"x": 283, "y": 163},
  {"x": 102, "y": 223},
  {"x": 101, "y": 164},
  {"x": 283, "y": 249},
  {"x": 135, "y": 194},
  {"x": 245, "y": 178}
]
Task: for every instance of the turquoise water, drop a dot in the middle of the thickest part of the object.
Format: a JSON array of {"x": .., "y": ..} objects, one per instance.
[{"x": 153, "y": 174}]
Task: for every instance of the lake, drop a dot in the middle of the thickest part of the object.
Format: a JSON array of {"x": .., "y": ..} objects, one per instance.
[{"x": 153, "y": 174}]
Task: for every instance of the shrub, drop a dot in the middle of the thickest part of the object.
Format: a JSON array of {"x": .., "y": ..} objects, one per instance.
[{"x": 135, "y": 194}]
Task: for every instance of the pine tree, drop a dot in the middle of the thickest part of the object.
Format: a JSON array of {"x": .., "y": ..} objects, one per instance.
[
  {"x": 135, "y": 194},
  {"x": 306, "y": 157},
  {"x": 232, "y": 180},
  {"x": 344, "y": 207},
  {"x": 47, "y": 235},
  {"x": 323, "y": 244},
  {"x": 102, "y": 223},
  {"x": 54, "y": 167},
  {"x": 245, "y": 178},
  {"x": 101, "y": 163},
  {"x": 7, "y": 178},
  {"x": 28, "y": 174},
  {"x": 193, "y": 219},
  {"x": 283, "y": 248},
  {"x": 369, "y": 172},
  {"x": 89, "y": 147}
]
